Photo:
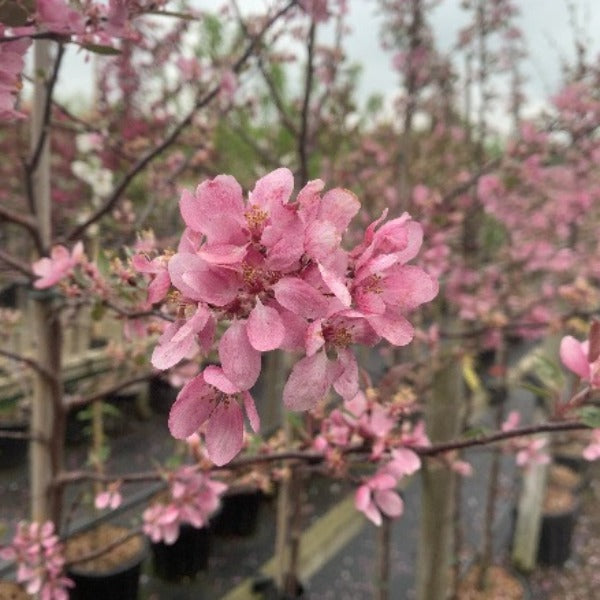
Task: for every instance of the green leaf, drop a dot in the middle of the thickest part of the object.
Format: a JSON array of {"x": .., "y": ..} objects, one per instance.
[
  {"x": 590, "y": 415},
  {"x": 101, "y": 49}
]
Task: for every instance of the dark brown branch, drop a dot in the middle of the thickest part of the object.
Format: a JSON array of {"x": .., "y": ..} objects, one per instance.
[
  {"x": 143, "y": 162},
  {"x": 78, "y": 402},
  {"x": 29, "y": 362},
  {"x": 303, "y": 137},
  {"x": 32, "y": 163},
  {"x": 18, "y": 218},
  {"x": 499, "y": 436},
  {"x": 17, "y": 264}
]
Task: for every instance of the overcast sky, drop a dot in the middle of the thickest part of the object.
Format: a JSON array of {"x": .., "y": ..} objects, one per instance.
[{"x": 546, "y": 24}]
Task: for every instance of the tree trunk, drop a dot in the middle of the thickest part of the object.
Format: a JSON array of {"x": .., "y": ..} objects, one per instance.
[
  {"x": 47, "y": 416},
  {"x": 443, "y": 418}
]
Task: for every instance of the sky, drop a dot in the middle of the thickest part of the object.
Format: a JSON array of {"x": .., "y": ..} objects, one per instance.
[{"x": 546, "y": 23}]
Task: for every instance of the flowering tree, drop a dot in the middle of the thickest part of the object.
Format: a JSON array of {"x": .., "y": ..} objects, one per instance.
[{"x": 288, "y": 266}]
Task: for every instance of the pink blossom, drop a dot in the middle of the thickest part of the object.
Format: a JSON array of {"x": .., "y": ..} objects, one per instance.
[
  {"x": 582, "y": 358},
  {"x": 161, "y": 282},
  {"x": 377, "y": 495},
  {"x": 59, "y": 17},
  {"x": 59, "y": 266},
  {"x": 11, "y": 65},
  {"x": 194, "y": 497},
  {"x": 40, "y": 560},
  {"x": 592, "y": 450},
  {"x": 531, "y": 453},
  {"x": 213, "y": 399},
  {"x": 110, "y": 497}
]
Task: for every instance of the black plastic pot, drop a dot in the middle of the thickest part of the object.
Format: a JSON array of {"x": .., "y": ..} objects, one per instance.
[
  {"x": 185, "y": 558},
  {"x": 239, "y": 513},
  {"x": 162, "y": 395},
  {"x": 13, "y": 451},
  {"x": 120, "y": 583},
  {"x": 555, "y": 536}
]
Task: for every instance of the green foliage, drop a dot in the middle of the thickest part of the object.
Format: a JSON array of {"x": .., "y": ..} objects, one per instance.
[{"x": 590, "y": 415}]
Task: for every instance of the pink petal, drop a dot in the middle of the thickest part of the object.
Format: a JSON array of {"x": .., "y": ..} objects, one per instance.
[
  {"x": 169, "y": 352},
  {"x": 198, "y": 280},
  {"x": 222, "y": 254},
  {"x": 159, "y": 287},
  {"x": 308, "y": 382},
  {"x": 408, "y": 287},
  {"x": 214, "y": 376},
  {"x": 216, "y": 210},
  {"x": 339, "y": 207},
  {"x": 346, "y": 385},
  {"x": 321, "y": 239},
  {"x": 362, "y": 497},
  {"x": 265, "y": 328},
  {"x": 389, "y": 502},
  {"x": 240, "y": 361},
  {"x": 251, "y": 411},
  {"x": 225, "y": 432},
  {"x": 395, "y": 329},
  {"x": 574, "y": 357},
  {"x": 300, "y": 297},
  {"x": 314, "y": 337},
  {"x": 337, "y": 285},
  {"x": 192, "y": 407},
  {"x": 274, "y": 188}
]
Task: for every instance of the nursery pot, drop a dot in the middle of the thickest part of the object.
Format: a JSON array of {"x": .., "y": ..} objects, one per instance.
[
  {"x": 13, "y": 451},
  {"x": 186, "y": 557},
  {"x": 500, "y": 583},
  {"x": 239, "y": 513},
  {"x": 113, "y": 575},
  {"x": 161, "y": 395},
  {"x": 12, "y": 591},
  {"x": 558, "y": 521}
]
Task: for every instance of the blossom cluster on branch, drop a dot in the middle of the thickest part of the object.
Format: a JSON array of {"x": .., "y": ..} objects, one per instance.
[
  {"x": 275, "y": 273},
  {"x": 40, "y": 558}
]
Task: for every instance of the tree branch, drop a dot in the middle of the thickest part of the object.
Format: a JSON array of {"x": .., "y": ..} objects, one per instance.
[
  {"x": 29, "y": 362},
  {"x": 303, "y": 137},
  {"x": 16, "y": 264}
]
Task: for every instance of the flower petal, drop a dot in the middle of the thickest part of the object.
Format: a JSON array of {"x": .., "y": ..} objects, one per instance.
[
  {"x": 240, "y": 361},
  {"x": 300, "y": 297},
  {"x": 309, "y": 381},
  {"x": 265, "y": 328},
  {"x": 225, "y": 432},
  {"x": 192, "y": 407},
  {"x": 574, "y": 357}
]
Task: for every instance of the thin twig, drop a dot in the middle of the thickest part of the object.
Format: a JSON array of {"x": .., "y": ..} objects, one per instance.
[
  {"x": 30, "y": 362},
  {"x": 78, "y": 402},
  {"x": 17, "y": 264},
  {"x": 107, "y": 548},
  {"x": 303, "y": 137},
  {"x": 32, "y": 163}
]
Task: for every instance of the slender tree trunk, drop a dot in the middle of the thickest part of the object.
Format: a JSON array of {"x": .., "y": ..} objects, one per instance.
[
  {"x": 443, "y": 418},
  {"x": 47, "y": 416}
]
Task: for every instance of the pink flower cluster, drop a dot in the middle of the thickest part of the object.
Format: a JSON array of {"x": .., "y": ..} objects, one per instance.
[
  {"x": 275, "y": 271},
  {"x": 40, "y": 559},
  {"x": 194, "y": 497},
  {"x": 528, "y": 452},
  {"x": 12, "y": 60},
  {"x": 57, "y": 266},
  {"x": 364, "y": 421}
]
